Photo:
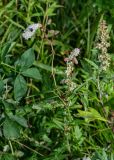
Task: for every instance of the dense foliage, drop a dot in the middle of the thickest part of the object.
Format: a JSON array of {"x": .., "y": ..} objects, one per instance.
[{"x": 57, "y": 87}]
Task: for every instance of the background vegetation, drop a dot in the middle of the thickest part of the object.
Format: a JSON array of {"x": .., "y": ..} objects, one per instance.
[{"x": 40, "y": 118}]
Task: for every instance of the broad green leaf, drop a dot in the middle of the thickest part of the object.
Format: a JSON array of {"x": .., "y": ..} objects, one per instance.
[
  {"x": 20, "y": 120},
  {"x": 32, "y": 73},
  {"x": 8, "y": 105},
  {"x": 91, "y": 115},
  {"x": 11, "y": 129},
  {"x": 20, "y": 87},
  {"x": 26, "y": 60}
]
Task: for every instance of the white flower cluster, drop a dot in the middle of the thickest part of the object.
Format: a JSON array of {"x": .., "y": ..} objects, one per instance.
[
  {"x": 72, "y": 86},
  {"x": 74, "y": 53},
  {"x": 105, "y": 61},
  {"x": 31, "y": 29},
  {"x": 84, "y": 158},
  {"x": 103, "y": 44},
  {"x": 70, "y": 61},
  {"x": 70, "y": 68}
]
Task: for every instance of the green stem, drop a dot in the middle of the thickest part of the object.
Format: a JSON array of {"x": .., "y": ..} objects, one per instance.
[
  {"x": 23, "y": 145},
  {"x": 12, "y": 151}
]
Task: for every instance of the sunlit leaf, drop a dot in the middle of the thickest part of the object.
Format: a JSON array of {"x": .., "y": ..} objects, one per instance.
[{"x": 91, "y": 115}]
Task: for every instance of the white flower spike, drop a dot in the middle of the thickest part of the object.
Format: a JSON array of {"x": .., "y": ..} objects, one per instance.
[{"x": 31, "y": 29}]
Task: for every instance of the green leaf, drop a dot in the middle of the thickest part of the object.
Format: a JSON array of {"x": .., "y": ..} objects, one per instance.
[
  {"x": 26, "y": 60},
  {"x": 5, "y": 51},
  {"x": 32, "y": 73},
  {"x": 7, "y": 157},
  {"x": 58, "y": 123},
  {"x": 77, "y": 132},
  {"x": 50, "y": 10},
  {"x": 49, "y": 68},
  {"x": 11, "y": 129},
  {"x": 20, "y": 87},
  {"x": 110, "y": 102},
  {"x": 20, "y": 120},
  {"x": 43, "y": 66},
  {"x": 91, "y": 115},
  {"x": 92, "y": 63},
  {"x": 1, "y": 86}
]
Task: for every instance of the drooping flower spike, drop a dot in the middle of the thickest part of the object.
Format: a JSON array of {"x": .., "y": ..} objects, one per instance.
[{"x": 30, "y": 30}]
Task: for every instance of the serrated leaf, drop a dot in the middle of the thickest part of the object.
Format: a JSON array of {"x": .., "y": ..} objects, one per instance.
[
  {"x": 26, "y": 60},
  {"x": 11, "y": 129},
  {"x": 78, "y": 133},
  {"x": 32, "y": 73},
  {"x": 91, "y": 115},
  {"x": 20, "y": 87},
  {"x": 20, "y": 120}
]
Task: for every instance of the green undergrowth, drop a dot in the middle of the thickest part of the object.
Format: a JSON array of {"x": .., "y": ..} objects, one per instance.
[{"x": 41, "y": 117}]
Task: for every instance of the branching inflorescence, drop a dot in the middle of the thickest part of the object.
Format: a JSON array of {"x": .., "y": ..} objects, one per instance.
[
  {"x": 70, "y": 61},
  {"x": 103, "y": 44}
]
